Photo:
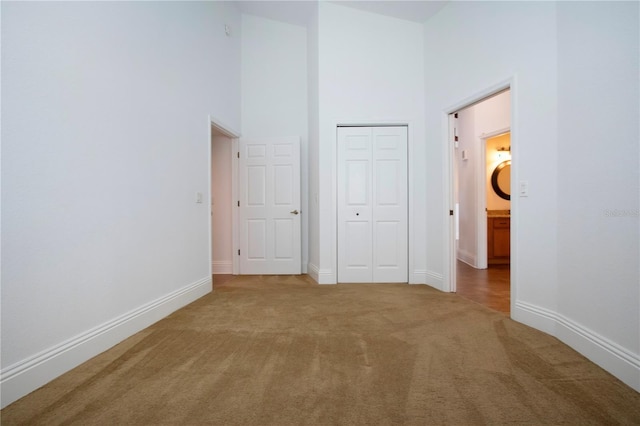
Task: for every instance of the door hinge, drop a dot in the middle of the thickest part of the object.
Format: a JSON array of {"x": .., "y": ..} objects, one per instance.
[
  {"x": 450, "y": 212},
  {"x": 455, "y": 115},
  {"x": 238, "y": 153},
  {"x": 238, "y": 203},
  {"x": 238, "y": 252}
]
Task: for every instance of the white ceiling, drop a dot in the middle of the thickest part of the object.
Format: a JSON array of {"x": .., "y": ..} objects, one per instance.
[{"x": 298, "y": 12}]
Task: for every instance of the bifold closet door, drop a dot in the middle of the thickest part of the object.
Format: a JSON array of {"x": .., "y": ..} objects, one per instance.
[{"x": 372, "y": 204}]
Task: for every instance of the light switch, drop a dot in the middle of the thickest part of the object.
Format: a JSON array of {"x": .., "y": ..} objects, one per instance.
[
  {"x": 523, "y": 188},
  {"x": 198, "y": 197}
]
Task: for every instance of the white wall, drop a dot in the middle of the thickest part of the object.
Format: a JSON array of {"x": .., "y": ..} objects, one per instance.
[
  {"x": 471, "y": 47},
  {"x": 598, "y": 176},
  {"x": 370, "y": 71},
  {"x": 573, "y": 68},
  {"x": 313, "y": 68},
  {"x": 221, "y": 205},
  {"x": 105, "y": 141},
  {"x": 491, "y": 115},
  {"x": 274, "y": 91}
]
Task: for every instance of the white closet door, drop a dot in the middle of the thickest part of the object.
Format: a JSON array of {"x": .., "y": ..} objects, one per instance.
[
  {"x": 390, "y": 205},
  {"x": 372, "y": 204},
  {"x": 269, "y": 192},
  {"x": 355, "y": 255}
]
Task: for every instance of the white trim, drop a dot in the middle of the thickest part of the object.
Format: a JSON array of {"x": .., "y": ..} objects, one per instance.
[
  {"x": 221, "y": 267},
  {"x": 468, "y": 258},
  {"x": 224, "y": 128},
  {"x": 313, "y": 272},
  {"x": 481, "y": 260},
  {"x": 321, "y": 276},
  {"x": 449, "y": 222},
  {"x": 614, "y": 358},
  {"x": 448, "y": 156},
  {"x": 434, "y": 280},
  {"x": 210, "y": 190},
  {"x": 418, "y": 276},
  {"x": 326, "y": 276},
  {"x": 25, "y": 376},
  {"x": 235, "y": 219},
  {"x": 232, "y": 134}
]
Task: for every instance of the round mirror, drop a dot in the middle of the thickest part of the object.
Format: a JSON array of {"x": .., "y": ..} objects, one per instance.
[{"x": 501, "y": 180}]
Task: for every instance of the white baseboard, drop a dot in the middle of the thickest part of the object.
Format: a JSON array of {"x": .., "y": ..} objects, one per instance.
[
  {"x": 534, "y": 316},
  {"x": 321, "y": 276},
  {"x": 468, "y": 258},
  {"x": 221, "y": 267},
  {"x": 312, "y": 270},
  {"x": 21, "y": 378},
  {"x": 614, "y": 358},
  {"x": 434, "y": 280},
  {"x": 418, "y": 276}
]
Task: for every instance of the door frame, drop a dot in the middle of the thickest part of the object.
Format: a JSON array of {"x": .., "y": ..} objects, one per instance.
[
  {"x": 233, "y": 135},
  {"x": 334, "y": 189},
  {"x": 448, "y": 178}
]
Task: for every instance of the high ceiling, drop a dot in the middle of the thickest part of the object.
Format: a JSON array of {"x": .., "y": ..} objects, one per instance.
[{"x": 298, "y": 12}]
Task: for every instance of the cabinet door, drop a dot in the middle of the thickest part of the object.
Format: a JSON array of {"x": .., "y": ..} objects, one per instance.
[{"x": 499, "y": 250}]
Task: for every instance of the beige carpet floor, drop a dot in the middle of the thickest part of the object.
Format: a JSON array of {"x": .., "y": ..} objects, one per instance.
[{"x": 282, "y": 350}]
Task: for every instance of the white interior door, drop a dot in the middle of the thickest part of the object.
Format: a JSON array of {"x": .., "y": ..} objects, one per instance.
[
  {"x": 269, "y": 206},
  {"x": 372, "y": 204}
]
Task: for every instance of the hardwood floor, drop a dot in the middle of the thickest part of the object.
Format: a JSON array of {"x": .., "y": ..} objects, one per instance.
[{"x": 490, "y": 287}]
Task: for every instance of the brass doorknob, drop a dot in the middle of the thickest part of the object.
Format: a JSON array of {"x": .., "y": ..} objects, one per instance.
[{"x": 295, "y": 212}]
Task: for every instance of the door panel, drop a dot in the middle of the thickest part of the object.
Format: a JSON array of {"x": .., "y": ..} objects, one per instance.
[
  {"x": 257, "y": 237},
  {"x": 354, "y": 205},
  {"x": 390, "y": 205},
  {"x": 372, "y": 204},
  {"x": 269, "y": 192},
  {"x": 256, "y": 179},
  {"x": 358, "y": 236},
  {"x": 387, "y": 254}
]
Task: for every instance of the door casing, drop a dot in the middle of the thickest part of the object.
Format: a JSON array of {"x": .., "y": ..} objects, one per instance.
[
  {"x": 216, "y": 124},
  {"x": 448, "y": 178}
]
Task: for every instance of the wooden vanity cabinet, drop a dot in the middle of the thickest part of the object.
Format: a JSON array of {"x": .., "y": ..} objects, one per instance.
[{"x": 499, "y": 240}]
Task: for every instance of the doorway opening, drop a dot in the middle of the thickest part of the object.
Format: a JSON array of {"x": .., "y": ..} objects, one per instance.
[
  {"x": 480, "y": 155},
  {"x": 222, "y": 187}
]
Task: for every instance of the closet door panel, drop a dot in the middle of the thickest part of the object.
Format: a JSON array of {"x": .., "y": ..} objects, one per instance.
[
  {"x": 390, "y": 204},
  {"x": 354, "y": 205}
]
